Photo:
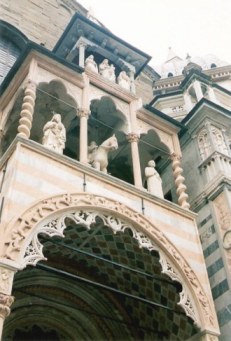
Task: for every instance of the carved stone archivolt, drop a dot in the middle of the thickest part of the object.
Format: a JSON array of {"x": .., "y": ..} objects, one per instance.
[{"x": 22, "y": 247}]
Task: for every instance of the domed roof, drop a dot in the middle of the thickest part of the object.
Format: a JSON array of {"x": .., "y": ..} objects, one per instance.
[{"x": 174, "y": 65}]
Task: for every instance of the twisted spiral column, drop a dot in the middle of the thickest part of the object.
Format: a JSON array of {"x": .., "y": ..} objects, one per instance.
[
  {"x": 83, "y": 115},
  {"x": 27, "y": 111},
  {"x": 179, "y": 181},
  {"x": 133, "y": 138}
]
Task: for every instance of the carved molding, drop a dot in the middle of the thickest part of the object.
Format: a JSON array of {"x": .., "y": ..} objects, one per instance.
[{"x": 48, "y": 216}]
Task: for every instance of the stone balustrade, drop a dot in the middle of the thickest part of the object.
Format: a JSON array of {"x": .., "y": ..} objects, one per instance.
[{"x": 214, "y": 164}]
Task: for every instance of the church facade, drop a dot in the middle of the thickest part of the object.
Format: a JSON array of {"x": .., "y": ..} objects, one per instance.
[{"x": 115, "y": 184}]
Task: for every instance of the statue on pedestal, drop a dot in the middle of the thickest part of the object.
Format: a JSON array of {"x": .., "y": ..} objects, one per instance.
[
  {"x": 90, "y": 64},
  {"x": 54, "y": 134},
  {"x": 107, "y": 71},
  {"x": 124, "y": 81},
  {"x": 154, "y": 182}
]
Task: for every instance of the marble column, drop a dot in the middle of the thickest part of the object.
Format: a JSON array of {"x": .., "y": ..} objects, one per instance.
[
  {"x": 179, "y": 181},
  {"x": 133, "y": 138},
  {"x": 6, "y": 300},
  {"x": 83, "y": 115},
  {"x": 25, "y": 122},
  {"x": 82, "y": 46},
  {"x": 198, "y": 90}
]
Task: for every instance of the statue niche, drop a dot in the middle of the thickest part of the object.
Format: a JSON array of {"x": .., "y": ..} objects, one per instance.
[
  {"x": 98, "y": 155},
  {"x": 54, "y": 134}
]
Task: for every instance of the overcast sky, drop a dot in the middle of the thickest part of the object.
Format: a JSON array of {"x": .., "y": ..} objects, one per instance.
[{"x": 197, "y": 27}]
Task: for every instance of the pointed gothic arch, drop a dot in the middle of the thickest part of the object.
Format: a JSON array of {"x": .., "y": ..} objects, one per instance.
[{"x": 22, "y": 247}]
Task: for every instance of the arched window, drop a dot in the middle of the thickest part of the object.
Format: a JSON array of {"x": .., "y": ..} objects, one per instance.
[
  {"x": 12, "y": 42},
  {"x": 213, "y": 65},
  {"x": 170, "y": 74}
]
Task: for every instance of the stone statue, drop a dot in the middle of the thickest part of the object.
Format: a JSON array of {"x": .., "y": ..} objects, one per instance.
[
  {"x": 91, "y": 149},
  {"x": 107, "y": 71},
  {"x": 54, "y": 134},
  {"x": 90, "y": 64},
  {"x": 98, "y": 155},
  {"x": 154, "y": 182},
  {"x": 124, "y": 81}
]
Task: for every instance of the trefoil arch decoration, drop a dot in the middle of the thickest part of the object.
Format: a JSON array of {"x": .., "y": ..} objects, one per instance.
[{"x": 22, "y": 247}]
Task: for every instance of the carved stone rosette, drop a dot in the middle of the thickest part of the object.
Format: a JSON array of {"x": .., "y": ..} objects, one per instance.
[
  {"x": 27, "y": 111},
  {"x": 48, "y": 216},
  {"x": 179, "y": 181}
]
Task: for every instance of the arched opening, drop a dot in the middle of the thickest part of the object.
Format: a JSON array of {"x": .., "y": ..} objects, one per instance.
[
  {"x": 53, "y": 98},
  {"x": 213, "y": 65},
  {"x": 50, "y": 98},
  {"x": 97, "y": 284},
  {"x": 104, "y": 121},
  {"x": 170, "y": 74}
]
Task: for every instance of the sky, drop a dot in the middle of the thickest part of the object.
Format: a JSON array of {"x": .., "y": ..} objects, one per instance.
[{"x": 197, "y": 27}]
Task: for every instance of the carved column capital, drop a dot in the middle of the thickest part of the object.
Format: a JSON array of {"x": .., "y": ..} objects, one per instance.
[
  {"x": 132, "y": 137},
  {"x": 5, "y": 303},
  {"x": 81, "y": 112}
]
